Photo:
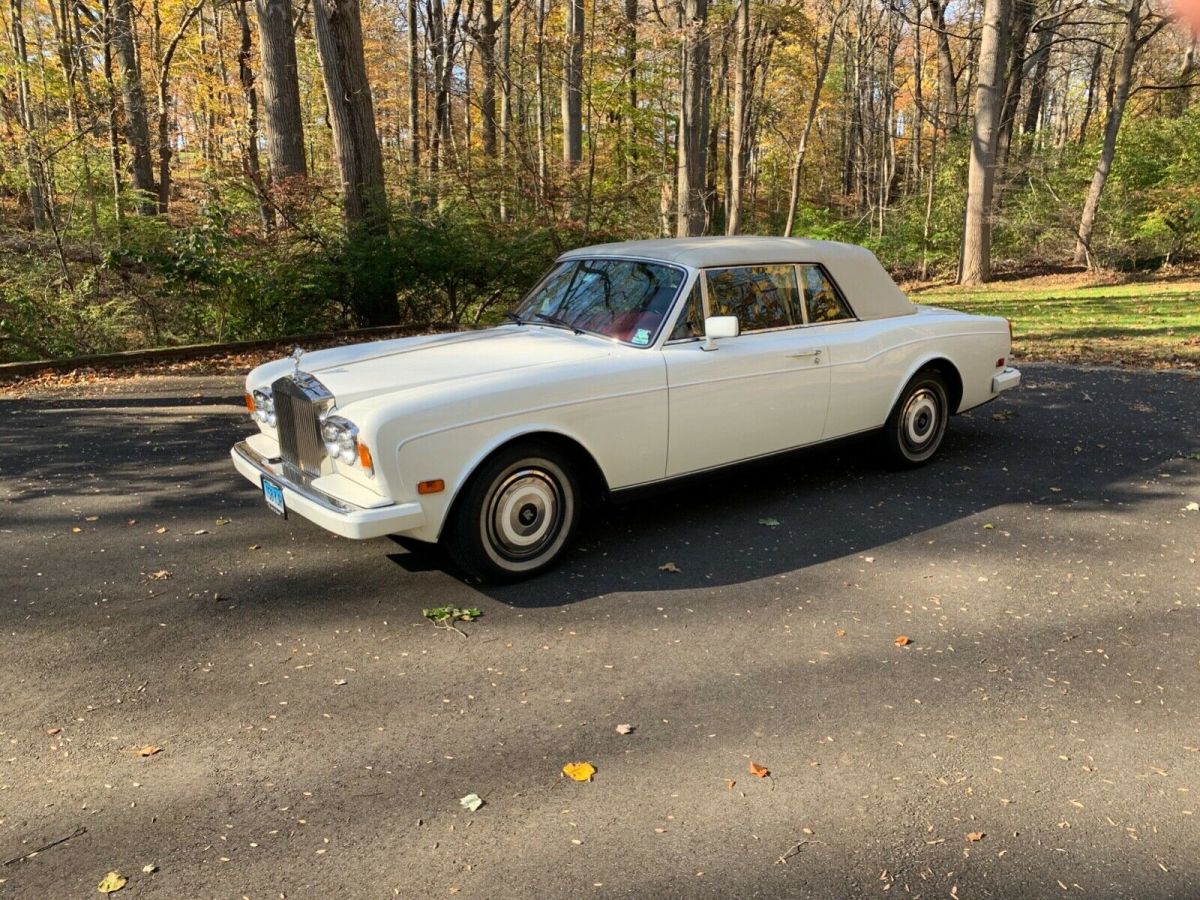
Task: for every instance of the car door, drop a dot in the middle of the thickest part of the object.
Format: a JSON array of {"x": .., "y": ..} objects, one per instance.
[{"x": 761, "y": 392}]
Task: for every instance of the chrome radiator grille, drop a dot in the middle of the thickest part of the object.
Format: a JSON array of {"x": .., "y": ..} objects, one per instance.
[{"x": 299, "y": 401}]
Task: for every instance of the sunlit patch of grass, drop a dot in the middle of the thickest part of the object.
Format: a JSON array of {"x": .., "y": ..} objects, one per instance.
[{"x": 1147, "y": 323}]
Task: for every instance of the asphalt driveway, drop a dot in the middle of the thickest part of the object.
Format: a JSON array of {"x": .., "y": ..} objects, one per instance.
[{"x": 1038, "y": 736}]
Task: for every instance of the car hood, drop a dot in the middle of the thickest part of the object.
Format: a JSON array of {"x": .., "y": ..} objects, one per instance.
[{"x": 367, "y": 370}]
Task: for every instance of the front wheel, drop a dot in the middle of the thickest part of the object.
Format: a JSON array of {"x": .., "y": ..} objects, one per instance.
[
  {"x": 516, "y": 515},
  {"x": 917, "y": 423}
]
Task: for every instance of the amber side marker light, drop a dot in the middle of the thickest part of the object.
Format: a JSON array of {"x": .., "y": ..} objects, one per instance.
[
  {"x": 431, "y": 487},
  {"x": 250, "y": 402},
  {"x": 364, "y": 458}
]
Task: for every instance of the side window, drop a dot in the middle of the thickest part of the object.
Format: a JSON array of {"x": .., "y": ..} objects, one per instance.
[
  {"x": 691, "y": 318},
  {"x": 823, "y": 302},
  {"x": 760, "y": 296}
]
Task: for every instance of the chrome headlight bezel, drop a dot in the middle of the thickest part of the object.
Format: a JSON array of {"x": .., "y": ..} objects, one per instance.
[
  {"x": 340, "y": 436},
  {"x": 264, "y": 407}
]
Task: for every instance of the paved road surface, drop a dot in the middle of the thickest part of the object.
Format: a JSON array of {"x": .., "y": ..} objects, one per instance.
[{"x": 317, "y": 733}]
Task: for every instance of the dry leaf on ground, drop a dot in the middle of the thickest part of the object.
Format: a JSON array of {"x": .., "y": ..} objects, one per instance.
[
  {"x": 147, "y": 750},
  {"x": 902, "y": 640},
  {"x": 669, "y": 567},
  {"x": 759, "y": 771},
  {"x": 471, "y": 802},
  {"x": 975, "y": 836},
  {"x": 112, "y": 882},
  {"x": 625, "y": 729},
  {"x": 579, "y": 771}
]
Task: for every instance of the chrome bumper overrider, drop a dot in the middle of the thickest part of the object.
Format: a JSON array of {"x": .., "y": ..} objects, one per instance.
[{"x": 1006, "y": 380}]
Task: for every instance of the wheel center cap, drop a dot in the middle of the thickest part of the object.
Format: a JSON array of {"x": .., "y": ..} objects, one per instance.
[{"x": 527, "y": 514}]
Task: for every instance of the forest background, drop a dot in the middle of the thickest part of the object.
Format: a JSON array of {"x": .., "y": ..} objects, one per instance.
[{"x": 174, "y": 171}]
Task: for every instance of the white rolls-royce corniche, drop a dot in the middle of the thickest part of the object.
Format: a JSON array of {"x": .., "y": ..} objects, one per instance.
[{"x": 627, "y": 364}]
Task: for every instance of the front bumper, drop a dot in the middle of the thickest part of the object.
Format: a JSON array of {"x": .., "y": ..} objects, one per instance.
[
  {"x": 1006, "y": 380},
  {"x": 323, "y": 508}
]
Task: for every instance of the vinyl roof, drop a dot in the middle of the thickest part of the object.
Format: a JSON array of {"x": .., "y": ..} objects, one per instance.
[{"x": 866, "y": 284}]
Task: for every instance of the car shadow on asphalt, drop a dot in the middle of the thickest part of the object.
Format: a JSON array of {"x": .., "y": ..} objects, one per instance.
[{"x": 1052, "y": 445}]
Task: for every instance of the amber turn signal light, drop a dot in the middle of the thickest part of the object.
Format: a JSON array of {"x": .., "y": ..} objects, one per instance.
[
  {"x": 431, "y": 487},
  {"x": 250, "y": 402},
  {"x": 364, "y": 458}
]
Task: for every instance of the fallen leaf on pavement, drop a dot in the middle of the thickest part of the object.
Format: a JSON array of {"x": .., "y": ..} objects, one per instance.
[
  {"x": 162, "y": 530},
  {"x": 759, "y": 771},
  {"x": 975, "y": 836},
  {"x": 200, "y": 531},
  {"x": 669, "y": 567},
  {"x": 730, "y": 784},
  {"x": 471, "y": 802},
  {"x": 112, "y": 882},
  {"x": 91, "y": 518},
  {"x": 902, "y": 640},
  {"x": 770, "y": 523},
  {"x": 76, "y": 530},
  {"x": 148, "y": 750},
  {"x": 841, "y": 632},
  {"x": 624, "y": 729},
  {"x": 53, "y": 731},
  {"x": 579, "y": 771},
  {"x": 341, "y": 681},
  {"x": 160, "y": 575},
  {"x": 1193, "y": 506},
  {"x": 149, "y": 869}
]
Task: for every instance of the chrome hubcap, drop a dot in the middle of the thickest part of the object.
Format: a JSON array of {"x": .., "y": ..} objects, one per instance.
[
  {"x": 920, "y": 420},
  {"x": 524, "y": 514}
]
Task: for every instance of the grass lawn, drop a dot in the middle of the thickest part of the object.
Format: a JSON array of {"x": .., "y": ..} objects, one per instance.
[{"x": 1086, "y": 319}]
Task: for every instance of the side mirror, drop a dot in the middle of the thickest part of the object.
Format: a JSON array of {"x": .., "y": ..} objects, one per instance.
[{"x": 719, "y": 327}]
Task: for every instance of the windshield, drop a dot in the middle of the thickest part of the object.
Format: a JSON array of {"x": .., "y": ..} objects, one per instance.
[{"x": 624, "y": 299}]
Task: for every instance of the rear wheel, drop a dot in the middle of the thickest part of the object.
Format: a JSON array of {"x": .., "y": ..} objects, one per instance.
[
  {"x": 516, "y": 515},
  {"x": 917, "y": 423}
]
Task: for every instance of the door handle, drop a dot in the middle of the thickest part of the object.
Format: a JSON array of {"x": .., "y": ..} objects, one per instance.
[{"x": 814, "y": 355}]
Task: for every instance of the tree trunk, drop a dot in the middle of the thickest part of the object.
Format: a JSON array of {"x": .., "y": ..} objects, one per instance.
[
  {"x": 1037, "y": 89},
  {"x": 1093, "y": 85},
  {"x": 38, "y": 202},
  {"x": 1022, "y": 19},
  {"x": 250, "y": 97},
  {"x": 694, "y": 103},
  {"x": 487, "y": 63},
  {"x": 414, "y": 98},
  {"x": 351, "y": 112},
  {"x": 506, "y": 105},
  {"x": 947, "y": 79},
  {"x": 572, "y": 96},
  {"x": 738, "y": 151},
  {"x": 1112, "y": 125},
  {"x": 164, "y": 104},
  {"x": 282, "y": 117},
  {"x": 814, "y": 104},
  {"x": 975, "y": 259},
  {"x": 630, "y": 52},
  {"x": 1177, "y": 101},
  {"x": 137, "y": 127}
]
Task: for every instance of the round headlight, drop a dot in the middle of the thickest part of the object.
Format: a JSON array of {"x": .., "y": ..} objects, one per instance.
[
  {"x": 264, "y": 407},
  {"x": 341, "y": 438}
]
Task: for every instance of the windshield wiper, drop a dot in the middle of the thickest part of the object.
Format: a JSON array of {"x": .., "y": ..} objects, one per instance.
[
  {"x": 555, "y": 320},
  {"x": 513, "y": 317}
]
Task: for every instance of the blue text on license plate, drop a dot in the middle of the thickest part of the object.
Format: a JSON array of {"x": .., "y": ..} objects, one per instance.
[{"x": 273, "y": 494}]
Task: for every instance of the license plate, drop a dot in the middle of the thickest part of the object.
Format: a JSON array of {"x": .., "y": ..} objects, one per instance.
[{"x": 273, "y": 494}]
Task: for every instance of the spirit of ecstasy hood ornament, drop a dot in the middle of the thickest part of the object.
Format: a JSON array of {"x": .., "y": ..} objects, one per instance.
[{"x": 297, "y": 352}]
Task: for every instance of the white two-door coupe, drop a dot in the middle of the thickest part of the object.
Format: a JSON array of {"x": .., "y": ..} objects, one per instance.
[{"x": 628, "y": 364}]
